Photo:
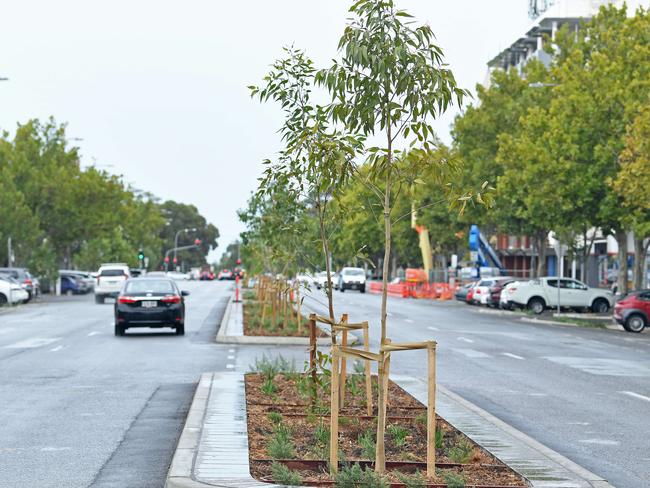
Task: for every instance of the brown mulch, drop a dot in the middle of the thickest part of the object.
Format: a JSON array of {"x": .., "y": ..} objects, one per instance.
[{"x": 404, "y": 412}]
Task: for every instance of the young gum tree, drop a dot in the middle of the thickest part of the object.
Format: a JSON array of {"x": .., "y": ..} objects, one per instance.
[
  {"x": 390, "y": 82},
  {"x": 317, "y": 160}
]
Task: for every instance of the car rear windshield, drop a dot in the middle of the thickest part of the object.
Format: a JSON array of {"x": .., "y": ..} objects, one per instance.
[
  {"x": 150, "y": 286},
  {"x": 112, "y": 272},
  {"x": 354, "y": 272}
]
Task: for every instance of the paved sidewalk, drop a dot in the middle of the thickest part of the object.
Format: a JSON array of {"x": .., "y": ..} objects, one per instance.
[{"x": 213, "y": 449}]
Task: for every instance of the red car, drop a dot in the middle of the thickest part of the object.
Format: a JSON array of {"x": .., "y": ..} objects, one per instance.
[{"x": 633, "y": 311}]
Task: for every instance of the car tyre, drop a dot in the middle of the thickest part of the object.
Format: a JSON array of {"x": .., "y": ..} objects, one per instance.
[
  {"x": 119, "y": 330},
  {"x": 342, "y": 288},
  {"x": 536, "y": 305},
  {"x": 635, "y": 323},
  {"x": 363, "y": 289},
  {"x": 3, "y": 299},
  {"x": 180, "y": 329},
  {"x": 600, "y": 305},
  {"x": 99, "y": 299}
]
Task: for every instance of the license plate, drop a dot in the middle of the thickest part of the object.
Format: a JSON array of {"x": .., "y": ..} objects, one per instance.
[{"x": 149, "y": 304}]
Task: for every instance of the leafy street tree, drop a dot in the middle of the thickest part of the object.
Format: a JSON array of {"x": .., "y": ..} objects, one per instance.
[
  {"x": 390, "y": 80},
  {"x": 631, "y": 185},
  {"x": 317, "y": 160}
]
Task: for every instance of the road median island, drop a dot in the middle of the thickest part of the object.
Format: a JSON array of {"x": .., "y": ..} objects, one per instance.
[
  {"x": 243, "y": 323},
  {"x": 257, "y": 423}
]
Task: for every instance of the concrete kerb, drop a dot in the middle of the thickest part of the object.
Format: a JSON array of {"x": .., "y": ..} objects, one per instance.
[
  {"x": 532, "y": 320},
  {"x": 182, "y": 471},
  {"x": 231, "y": 331}
]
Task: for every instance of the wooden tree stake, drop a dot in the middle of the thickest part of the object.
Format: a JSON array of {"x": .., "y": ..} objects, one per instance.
[
  {"x": 431, "y": 412},
  {"x": 299, "y": 310},
  {"x": 334, "y": 413},
  {"x": 344, "y": 343},
  {"x": 380, "y": 454},
  {"x": 366, "y": 347},
  {"x": 312, "y": 356}
]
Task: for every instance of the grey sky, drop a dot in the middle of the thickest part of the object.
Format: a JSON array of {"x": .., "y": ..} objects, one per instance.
[{"x": 157, "y": 89}]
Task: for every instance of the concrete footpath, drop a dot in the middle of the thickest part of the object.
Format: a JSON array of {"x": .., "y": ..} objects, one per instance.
[{"x": 213, "y": 447}]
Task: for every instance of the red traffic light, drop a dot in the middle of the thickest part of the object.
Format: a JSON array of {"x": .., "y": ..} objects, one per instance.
[
  {"x": 175, "y": 260},
  {"x": 197, "y": 242},
  {"x": 238, "y": 261},
  {"x": 166, "y": 259}
]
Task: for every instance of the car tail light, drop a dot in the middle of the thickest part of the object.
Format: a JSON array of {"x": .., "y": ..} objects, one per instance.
[
  {"x": 28, "y": 281},
  {"x": 171, "y": 299},
  {"x": 477, "y": 291},
  {"x": 126, "y": 300}
]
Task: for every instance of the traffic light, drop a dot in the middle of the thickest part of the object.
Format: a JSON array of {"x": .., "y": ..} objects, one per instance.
[
  {"x": 238, "y": 261},
  {"x": 197, "y": 242},
  {"x": 141, "y": 255}
]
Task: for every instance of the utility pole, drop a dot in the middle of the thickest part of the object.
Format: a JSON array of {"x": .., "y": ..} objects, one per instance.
[{"x": 193, "y": 229}]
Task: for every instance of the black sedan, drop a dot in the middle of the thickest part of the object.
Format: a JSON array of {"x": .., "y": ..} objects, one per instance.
[{"x": 150, "y": 302}]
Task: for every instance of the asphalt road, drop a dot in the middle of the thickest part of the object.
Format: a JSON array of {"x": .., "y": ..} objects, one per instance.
[
  {"x": 583, "y": 392},
  {"x": 81, "y": 407}
]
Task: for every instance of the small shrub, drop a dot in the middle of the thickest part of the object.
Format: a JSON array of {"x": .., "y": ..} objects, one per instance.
[
  {"x": 303, "y": 386},
  {"x": 416, "y": 480},
  {"x": 454, "y": 480},
  {"x": 367, "y": 444},
  {"x": 280, "y": 446},
  {"x": 398, "y": 434},
  {"x": 421, "y": 418},
  {"x": 354, "y": 477},
  {"x": 284, "y": 476},
  {"x": 322, "y": 434},
  {"x": 274, "y": 417},
  {"x": 461, "y": 453},
  {"x": 268, "y": 387}
]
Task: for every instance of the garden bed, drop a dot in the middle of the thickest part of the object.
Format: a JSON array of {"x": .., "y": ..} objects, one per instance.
[
  {"x": 255, "y": 326},
  {"x": 289, "y": 439}
]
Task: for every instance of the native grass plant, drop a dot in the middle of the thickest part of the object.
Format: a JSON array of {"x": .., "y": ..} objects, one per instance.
[
  {"x": 398, "y": 434},
  {"x": 354, "y": 476},
  {"x": 462, "y": 452},
  {"x": 454, "y": 480},
  {"x": 280, "y": 446},
  {"x": 269, "y": 368},
  {"x": 275, "y": 418},
  {"x": 282, "y": 475},
  {"x": 367, "y": 444},
  {"x": 391, "y": 80}
]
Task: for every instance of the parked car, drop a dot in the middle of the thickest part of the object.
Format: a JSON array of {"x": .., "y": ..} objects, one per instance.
[
  {"x": 633, "y": 311},
  {"x": 150, "y": 302},
  {"x": 110, "y": 280},
  {"x": 540, "y": 294},
  {"x": 225, "y": 274},
  {"x": 206, "y": 275},
  {"x": 470, "y": 293},
  {"x": 494, "y": 292},
  {"x": 486, "y": 289},
  {"x": 72, "y": 285},
  {"x": 11, "y": 291},
  {"x": 305, "y": 279},
  {"x": 352, "y": 279},
  {"x": 26, "y": 280},
  {"x": 507, "y": 290},
  {"x": 461, "y": 293},
  {"x": 87, "y": 279}
]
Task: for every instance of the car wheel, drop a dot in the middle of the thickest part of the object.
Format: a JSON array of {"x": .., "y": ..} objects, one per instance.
[
  {"x": 99, "y": 299},
  {"x": 635, "y": 323},
  {"x": 362, "y": 289},
  {"x": 3, "y": 299},
  {"x": 180, "y": 329},
  {"x": 536, "y": 305},
  {"x": 119, "y": 330},
  {"x": 600, "y": 305},
  {"x": 342, "y": 288}
]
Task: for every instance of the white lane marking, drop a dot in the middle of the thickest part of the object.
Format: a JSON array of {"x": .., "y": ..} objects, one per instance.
[
  {"x": 231, "y": 350},
  {"x": 465, "y": 339},
  {"x": 230, "y": 366},
  {"x": 600, "y": 442},
  {"x": 33, "y": 342},
  {"x": 635, "y": 395},
  {"x": 513, "y": 356},
  {"x": 57, "y": 348},
  {"x": 578, "y": 423},
  {"x": 93, "y": 333},
  {"x": 434, "y": 328},
  {"x": 603, "y": 366},
  {"x": 471, "y": 353},
  {"x": 409, "y": 321},
  {"x": 51, "y": 449},
  {"x": 231, "y": 357}
]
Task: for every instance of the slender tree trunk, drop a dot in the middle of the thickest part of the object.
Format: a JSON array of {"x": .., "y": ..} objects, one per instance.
[
  {"x": 328, "y": 264},
  {"x": 540, "y": 241},
  {"x": 621, "y": 239},
  {"x": 639, "y": 263}
]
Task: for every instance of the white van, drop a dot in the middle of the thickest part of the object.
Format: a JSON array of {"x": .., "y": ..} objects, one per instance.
[{"x": 110, "y": 280}]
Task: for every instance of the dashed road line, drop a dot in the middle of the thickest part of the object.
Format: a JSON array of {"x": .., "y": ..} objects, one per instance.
[
  {"x": 230, "y": 366},
  {"x": 90, "y": 334},
  {"x": 57, "y": 348},
  {"x": 231, "y": 357},
  {"x": 434, "y": 328},
  {"x": 513, "y": 356},
  {"x": 32, "y": 343},
  {"x": 635, "y": 395},
  {"x": 410, "y": 321},
  {"x": 472, "y": 353},
  {"x": 465, "y": 339}
]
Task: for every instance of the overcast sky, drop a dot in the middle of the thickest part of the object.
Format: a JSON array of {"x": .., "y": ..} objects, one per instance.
[{"x": 157, "y": 92}]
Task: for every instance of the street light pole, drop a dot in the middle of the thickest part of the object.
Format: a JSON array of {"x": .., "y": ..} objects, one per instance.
[{"x": 193, "y": 229}]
